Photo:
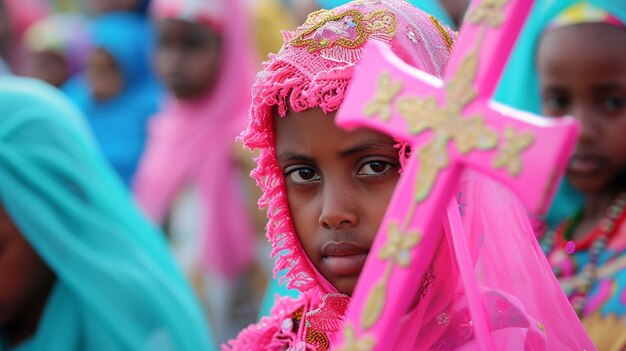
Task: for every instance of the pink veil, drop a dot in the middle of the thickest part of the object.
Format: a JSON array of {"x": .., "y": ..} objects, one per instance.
[
  {"x": 192, "y": 142},
  {"x": 519, "y": 304}
]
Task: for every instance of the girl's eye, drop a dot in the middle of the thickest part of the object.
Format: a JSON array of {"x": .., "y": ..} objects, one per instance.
[
  {"x": 302, "y": 175},
  {"x": 555, "y": 105},
  {"x": 374, "y": 168},
  {"x": 614, "y": 104}
]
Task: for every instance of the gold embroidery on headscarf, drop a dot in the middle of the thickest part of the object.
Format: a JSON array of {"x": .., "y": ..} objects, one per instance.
[
  {"x": 443, "y": 32},
  {"x": 318, "y": 339},
  {"x": 381, "y": 23}
]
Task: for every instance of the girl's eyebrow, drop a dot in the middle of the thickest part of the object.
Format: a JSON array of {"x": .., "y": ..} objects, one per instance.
[
  {"x": 290, "y": 156},
  {"x": 367, "y": 145},
  {"x": 607, "y": 87}
]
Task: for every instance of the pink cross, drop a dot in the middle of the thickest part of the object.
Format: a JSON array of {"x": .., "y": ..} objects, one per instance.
[{"x": 451, "y": 124}]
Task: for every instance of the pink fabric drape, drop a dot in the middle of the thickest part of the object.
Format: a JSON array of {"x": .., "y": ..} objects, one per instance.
[{"x": 191, "y": 142}]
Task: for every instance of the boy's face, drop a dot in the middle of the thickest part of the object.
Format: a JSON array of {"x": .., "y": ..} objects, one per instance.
[
  {"x": 105, "y": 78},
  {"x": 339, "y": 184},
  {"x": 25, "y": 282},
  {"x": 583, "y": 73},
  {"x": 187, "y": 58}
]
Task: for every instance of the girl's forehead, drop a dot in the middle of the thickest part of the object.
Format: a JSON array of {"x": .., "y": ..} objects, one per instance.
[
  {"x": 583, "y": 45},
  {"x": 312, "y": 129}
]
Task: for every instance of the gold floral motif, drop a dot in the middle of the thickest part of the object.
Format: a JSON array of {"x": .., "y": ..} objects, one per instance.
[
  {"x": 386, "y": 93},
  {"x": 375, "y": 304},
  {"x": 380, "y": 23},
  {"x": 351, "y": 343},
  {"x": 489, "y": 12},
  {"x": 399, "y": 245},
  {"x": 509, "y": 156},
  {"x": 447, "y": 124},
  {"x": 433, "y": 158}
]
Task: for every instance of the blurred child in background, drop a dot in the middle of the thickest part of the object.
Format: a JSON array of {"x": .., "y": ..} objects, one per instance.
[
  {"x": 119, "y": 91},
  {"x": 190, "y": 180},
  {"x": 577, "y": 67},
  {"x": 56, "y": 48}
]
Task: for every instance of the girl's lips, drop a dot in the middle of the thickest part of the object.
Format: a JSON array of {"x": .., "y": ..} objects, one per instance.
[
  {"x": 344, "y": 258},
  {"x": 584, "y": 164}
]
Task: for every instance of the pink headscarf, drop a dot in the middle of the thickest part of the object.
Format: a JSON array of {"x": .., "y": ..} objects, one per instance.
[
  {"x": 301, "y": 80},
  {"x": 191, "y": 142},
  {"x": 521, "y": 299}
]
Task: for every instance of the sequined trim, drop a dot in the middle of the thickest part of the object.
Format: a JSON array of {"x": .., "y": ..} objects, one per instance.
[{"x": 443, "y": 32}]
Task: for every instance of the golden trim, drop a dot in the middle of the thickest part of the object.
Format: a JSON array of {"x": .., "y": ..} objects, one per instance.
[
  {"x": 443, "y": 32},
  {"x": 381, "y": 21},
  {"x": 541, "y": 327}
]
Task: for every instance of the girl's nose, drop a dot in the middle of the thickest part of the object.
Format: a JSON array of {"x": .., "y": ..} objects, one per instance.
[
  {"x": 339, "y": 208},
  {"x": 589, "y": 127}
]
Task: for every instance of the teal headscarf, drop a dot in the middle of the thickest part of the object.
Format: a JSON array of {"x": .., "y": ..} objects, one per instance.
[
  {"x": 117, "y": 287},
  {"x": 519, "y": 86},
  {"x": 430, "y": 6}
]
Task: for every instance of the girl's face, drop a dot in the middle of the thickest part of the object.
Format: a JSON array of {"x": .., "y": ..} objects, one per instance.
[
  {"x": 105, "y": 78},
  {"x": 25, "y": 283},
  {"x": 583, "y": 73},
  {"x": 339, "y": 184},
  {"x": 187, "y": 58}
]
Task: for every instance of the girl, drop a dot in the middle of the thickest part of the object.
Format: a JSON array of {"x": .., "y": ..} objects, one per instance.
[
  {"x": 189, "y": 178},
  {"x": 57, "y": 48},
  {"x": 581, "y": 66},
  {"x": 80, "y": 268},
  {"x": 326, "y": 191},
  {"x": 119, "y": 91}
]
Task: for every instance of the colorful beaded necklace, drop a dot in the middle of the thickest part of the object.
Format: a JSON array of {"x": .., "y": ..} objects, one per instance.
[{"x": 596, "y": 241}]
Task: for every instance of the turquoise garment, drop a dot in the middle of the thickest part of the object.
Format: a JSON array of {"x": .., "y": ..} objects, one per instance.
[
  {"x": 117, "y": 286},
  {"x": 431, "y": 6},
  {"x": 519, "y": 86},
  {"x": 275, "y": 288},
  {"x": 120, "y": 123}
]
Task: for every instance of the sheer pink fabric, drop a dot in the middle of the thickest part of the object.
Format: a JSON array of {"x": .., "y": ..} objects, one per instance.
[
  {"x": 521, "y": 304},
  {"x": 191, "y": 142}
]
